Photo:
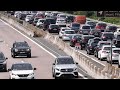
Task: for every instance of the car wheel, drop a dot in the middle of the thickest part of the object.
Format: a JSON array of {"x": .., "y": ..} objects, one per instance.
[
  {"x": 29, "y": 55},
  {"x": 13, "y": 55}
]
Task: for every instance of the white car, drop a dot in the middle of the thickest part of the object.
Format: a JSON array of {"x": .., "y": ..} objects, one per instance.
[
  {"x": 63, "y": 66},
  {"x": 105, "y": 50},
  {"x": 62, "y": 31},
  {"x": 117, "y": 32},
  {"x": 67, "y": 35},
  {"x": 60, "y": 20},
  {"x": 85, "y": 27},
  {"x": 115, "y": 55},
  {"x": 61, "y": 16},
  {"x": 40, "y": 22},
  {"x": 28, "y": 18},
  {"x": 22, "y": 70}
]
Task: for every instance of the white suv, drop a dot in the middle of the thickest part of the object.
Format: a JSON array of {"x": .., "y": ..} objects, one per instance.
[
  {"x": 22, "y": 70},
  {"x": 64, "y": 65}
]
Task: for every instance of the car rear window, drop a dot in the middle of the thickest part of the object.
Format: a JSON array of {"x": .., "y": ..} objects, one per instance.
[
  {"x": 116, "y": 51},
  {"x": 102, "y": 24},
  {"x": 69, "y": 32},
  {"x": 86, "y": 27}
]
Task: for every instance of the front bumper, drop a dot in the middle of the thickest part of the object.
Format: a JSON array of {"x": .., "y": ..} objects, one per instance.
[{"x": 17, "y": 77}]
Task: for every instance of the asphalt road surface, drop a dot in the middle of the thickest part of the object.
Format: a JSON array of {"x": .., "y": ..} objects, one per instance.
[{"x": 43, "y": 53}]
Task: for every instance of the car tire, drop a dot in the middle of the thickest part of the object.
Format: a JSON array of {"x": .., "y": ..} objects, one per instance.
[
  {"x": 13, "y": 55},
  {"x": 29, "y": 55}
]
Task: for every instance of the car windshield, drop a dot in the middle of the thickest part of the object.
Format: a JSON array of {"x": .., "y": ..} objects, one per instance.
[
  {"x": 93, "y": 44},
  {"x": 75, "y": 25},
  {"x": 21, "y": 67},
  {"x": 51, "y": 21},
  {"x": 102, "y": 24},
  {"x": 69, "y": 32},
  {"x": 116, "y": 51},
  {"x": 88, "y": 37},
  {"x": 77, "y": 36},
  {"x": 20, "y": 44},
  {"x": 91, "y": 23},
  {"x": 86, "y": 27},
  {"x": 64, "y": 16},
  {"x": 108, "y": 35},
  {"x": 65, "y": 61},
  {"x": 42, "y": 21},
  {"x": 97, "y": 40},
  {"x": 1, "y": 56}
]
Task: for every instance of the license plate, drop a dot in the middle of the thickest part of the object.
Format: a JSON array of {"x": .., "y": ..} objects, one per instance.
[
  {"x": 54, "y": 29},
  {"x": 22, "y": 52}
]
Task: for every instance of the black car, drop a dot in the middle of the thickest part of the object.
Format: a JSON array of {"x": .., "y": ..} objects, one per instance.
[
  {"x": 47, "y": 22},
  {"x": 70, "y": 19},
  {"x": 107, "y": 36},
  {"x": 84, "y": 40},
  {"x": 53, "y": 28},
  {"x": 99, "y": 46},
  {"x": 75, "y": 38},
  {"x": 20, "y": 48},
  {"x": 3, "y": 63},
  {"x": 111, "y": 28}
]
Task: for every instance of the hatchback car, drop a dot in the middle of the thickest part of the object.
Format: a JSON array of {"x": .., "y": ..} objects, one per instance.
[
  {"x": 67, "y": 35},
  {"x": 105, "y": 50},
  {"x": 115, "y": 55},
  {"x": 22, "y": 70},
  {"x": 53, "y": 28},
  {"x": 107, "y": 36},
  {"x": 64, "y": 66},
  {"x": 75, "y": 38}
]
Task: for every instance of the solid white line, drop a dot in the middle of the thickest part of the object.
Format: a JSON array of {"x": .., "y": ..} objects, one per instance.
[
  {"x": 28, "y": 38},
  {"x": 82, "y": 75}
]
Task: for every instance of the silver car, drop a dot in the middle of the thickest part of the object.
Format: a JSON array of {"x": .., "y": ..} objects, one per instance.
[
  {"x": 64, "y": 66},
  {"x": 115, "y": 55}
]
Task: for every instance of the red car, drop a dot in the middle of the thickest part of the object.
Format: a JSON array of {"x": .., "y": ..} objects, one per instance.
[{"x": 100, "y": 26}]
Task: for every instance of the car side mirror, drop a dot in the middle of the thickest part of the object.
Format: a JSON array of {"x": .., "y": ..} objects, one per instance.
[
  {"x": 9, "y": 70},
  {"x": 53, "y": 63},
  {"x": 76, "y": 62},
  {"x": 6, "y": 58},
  {"x": 34, "y": 68}
]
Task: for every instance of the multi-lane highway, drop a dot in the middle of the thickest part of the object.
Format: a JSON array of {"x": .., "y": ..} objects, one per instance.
[{"x": 43, "y": 53}]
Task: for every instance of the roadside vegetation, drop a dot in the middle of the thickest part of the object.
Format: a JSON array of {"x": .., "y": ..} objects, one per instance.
[{"x": 92, "y": 15}]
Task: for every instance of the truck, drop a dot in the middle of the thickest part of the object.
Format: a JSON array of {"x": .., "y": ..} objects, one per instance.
[{"x": 80, "y": 19}]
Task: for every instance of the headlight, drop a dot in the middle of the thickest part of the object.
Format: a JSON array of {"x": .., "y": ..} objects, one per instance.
[
  {"x": 31, "y": 74},
  {"x": 16, "y": 50},
  {"x": 14, "y": 74},
  {"x": 57, "y": 69},
  {"x": 28, "y": 49}
]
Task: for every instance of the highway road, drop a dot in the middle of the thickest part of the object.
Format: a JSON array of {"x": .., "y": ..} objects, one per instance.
[{"x": 43, "y": 53}]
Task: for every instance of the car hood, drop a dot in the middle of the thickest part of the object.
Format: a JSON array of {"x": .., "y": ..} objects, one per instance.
[
  {"x": 64, "y": 66},
  {"x": 22, "y": 71}
]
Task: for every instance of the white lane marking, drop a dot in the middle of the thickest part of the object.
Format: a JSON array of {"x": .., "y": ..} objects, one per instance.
[
  {"x": 34, "y": 42},
  {"x": 82, "y": 76}
]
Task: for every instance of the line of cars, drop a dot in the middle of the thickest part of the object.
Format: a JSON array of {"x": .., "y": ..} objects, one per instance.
[{"x": 94, "y": 37}]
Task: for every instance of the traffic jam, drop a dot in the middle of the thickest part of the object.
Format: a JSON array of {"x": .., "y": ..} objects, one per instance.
[{"x": 95, "y": 38}]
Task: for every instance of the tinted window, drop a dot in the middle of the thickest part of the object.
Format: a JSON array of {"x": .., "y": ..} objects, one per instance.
[
  {"x": 112, "y": 28},
  {"x": 21, "y": 44},
  {"x": 77, "y": 36},
  {"x": 65, "y": 61},
  {"x": 108, "y": 35},
  {"x": 86, "y": 27},
  {"x": 51, "y": 21},
  {"x": 102, "y": 24},
  {"x": 116, "y": 51},
  {"x": 118, "y": 36},
  {"x": 21, "y": 67},
  {"x": 69, "y": 32},
  {"x": 75, "y": 25},
  {"x": 101, "y": 44},
  {"x": 97, "y": 40},
  {"x": 87, "y": 37},
  {"x": 107, "y": 48},
  {"x": 91, "y": 23},
  {"x": 64, "y": 16},
  {"x": 93, "y": 44}
]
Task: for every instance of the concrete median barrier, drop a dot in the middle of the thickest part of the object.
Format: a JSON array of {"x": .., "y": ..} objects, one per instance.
[{"x": 84, "y": 61}]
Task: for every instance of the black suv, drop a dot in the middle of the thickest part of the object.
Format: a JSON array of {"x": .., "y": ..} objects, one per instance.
[
  {"x": 3, "y": 63},
  {"x": 20, "y": 48}
]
